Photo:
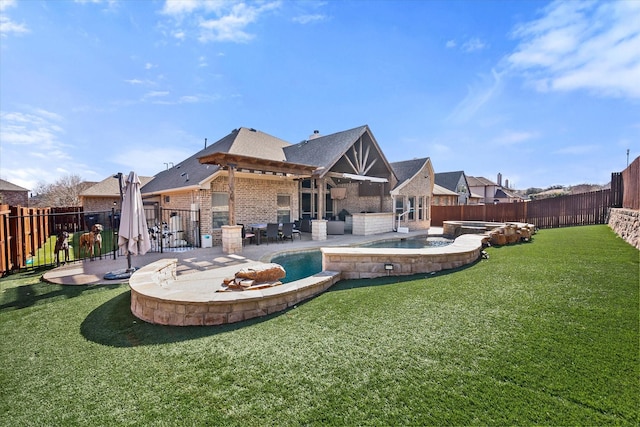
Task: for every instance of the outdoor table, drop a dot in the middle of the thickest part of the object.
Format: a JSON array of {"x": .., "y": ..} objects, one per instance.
[{"x": 259, "y": 228}]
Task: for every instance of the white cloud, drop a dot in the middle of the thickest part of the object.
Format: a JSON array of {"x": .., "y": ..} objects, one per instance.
[
  {"x": 306, "y": 19},
  {"x": 7, "y": 26},
  {"x": 477, "y": 96},
  {"x": 577, "y": 149},
  {"x": 4, "y": 4},
  {"x": 509, "y": 137},
  {"x": 215, "y": 20},
  {"x": 451, "y": 44},
  {"x": 582, "y": 45},
  {"x": 473, "y": 44},
  {"x": 156, "y": 94},
  {"x": 32, "y": 146},
  {"x": 31, "y": 129}
]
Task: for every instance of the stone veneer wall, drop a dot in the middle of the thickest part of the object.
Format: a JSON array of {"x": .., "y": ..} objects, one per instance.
[
  {"x": 626, "y": 224},
  {"x": 372, "y": 223}
]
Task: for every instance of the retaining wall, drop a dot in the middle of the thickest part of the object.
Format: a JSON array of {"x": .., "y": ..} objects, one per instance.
[{"x": 626, "y": 224}]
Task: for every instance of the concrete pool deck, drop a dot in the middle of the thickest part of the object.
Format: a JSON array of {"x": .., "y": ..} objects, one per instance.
[{"x": 206, "y": 259}]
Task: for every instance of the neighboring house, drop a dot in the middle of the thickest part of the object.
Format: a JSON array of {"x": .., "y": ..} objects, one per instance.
[
  {"x": 105, "y": 195},
  {"x": 491, "y": 192},
  {"x": 443, "y": 196},
  {"x": 251, "y": 177},
  {"x": 13, "y": 195},
  {"x": 457, "y": 183}
]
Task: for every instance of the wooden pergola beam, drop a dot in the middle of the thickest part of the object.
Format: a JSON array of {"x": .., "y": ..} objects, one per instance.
[{"x": 254, "y": 163}]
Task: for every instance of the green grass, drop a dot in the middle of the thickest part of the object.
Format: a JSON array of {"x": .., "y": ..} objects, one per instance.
[
  {"x": 45, "y": 255},
  {"x": 540, "y": 333}
]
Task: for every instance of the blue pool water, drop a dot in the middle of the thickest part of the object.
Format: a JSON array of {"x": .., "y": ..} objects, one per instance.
[{"x": 304, "y": 264}]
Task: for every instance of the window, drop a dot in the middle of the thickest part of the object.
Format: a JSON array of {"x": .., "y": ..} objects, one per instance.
[
  {"x": 284, "y": 208},
  {"x": 399, "y": 206},
  {"x": 427, "y": 208},
  {"x": 411, "y": 207},
  {"x": 219, "y": 209},
  {"x": 421, "y": 208}
]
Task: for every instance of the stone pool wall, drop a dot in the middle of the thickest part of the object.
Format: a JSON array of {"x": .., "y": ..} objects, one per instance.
[
  {"x": 366, "y": 263},
  {"x": 158, "y": 296}
]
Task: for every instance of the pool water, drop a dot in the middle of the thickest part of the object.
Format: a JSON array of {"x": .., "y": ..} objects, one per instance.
[
  {"x": 304, "y": 264},
  {"x": 414, "y": 243}
]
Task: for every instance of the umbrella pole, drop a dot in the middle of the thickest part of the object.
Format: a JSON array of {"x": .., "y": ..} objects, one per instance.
[{"x": 129, "y": 269}]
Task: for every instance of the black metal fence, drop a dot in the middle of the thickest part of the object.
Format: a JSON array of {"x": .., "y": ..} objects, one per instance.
[{"x": 29, "y": 238}]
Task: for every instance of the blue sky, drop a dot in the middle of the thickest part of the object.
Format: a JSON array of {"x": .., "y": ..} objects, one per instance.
[{"x": 545, "y": 93}]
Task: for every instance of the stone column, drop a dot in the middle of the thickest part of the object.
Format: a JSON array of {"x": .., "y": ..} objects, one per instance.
[
  {"x": 232, "y": 239},
  {"x": 319, "y": 229}
]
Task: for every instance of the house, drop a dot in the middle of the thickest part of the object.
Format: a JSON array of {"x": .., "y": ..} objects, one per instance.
[
  {"x": 491, "y": 192},
  {"x": 106, "y": 194},
  {"x": 456, "y": 182},
  {"x": 12, "y": 194},
  {"x": 444, "y": 197},
  {"x": 250, "y": 177}
]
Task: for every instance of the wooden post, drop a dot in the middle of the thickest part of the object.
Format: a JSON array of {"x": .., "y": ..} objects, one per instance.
[
  {"x": 232, "y": 194},
  {"x": 321, "y": 186}
]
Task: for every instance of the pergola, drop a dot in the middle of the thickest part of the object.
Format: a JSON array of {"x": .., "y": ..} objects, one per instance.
[{"x": 233, "y": 162}]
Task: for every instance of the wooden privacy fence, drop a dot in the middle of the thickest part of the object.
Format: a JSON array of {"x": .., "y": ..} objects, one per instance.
[{"x": 565, "y": 211}]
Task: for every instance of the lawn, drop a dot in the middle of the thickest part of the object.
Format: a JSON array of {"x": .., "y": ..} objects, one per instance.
[{"x": 545, "y": 332}]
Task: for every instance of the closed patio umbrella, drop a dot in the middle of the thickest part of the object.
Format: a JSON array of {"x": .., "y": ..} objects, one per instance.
[{"x": 133, "y": 234}]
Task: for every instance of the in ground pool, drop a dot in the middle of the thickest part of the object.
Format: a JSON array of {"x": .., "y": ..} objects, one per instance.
[{"x": 304, "y": 264}]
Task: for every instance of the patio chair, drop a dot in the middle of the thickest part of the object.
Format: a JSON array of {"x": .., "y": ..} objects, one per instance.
[
  {"x": 296, "y": 231},
  {"x": 273, "y": 232},
  {"x": 287, "y": 231},
  {"x": 246, "y": 236}
]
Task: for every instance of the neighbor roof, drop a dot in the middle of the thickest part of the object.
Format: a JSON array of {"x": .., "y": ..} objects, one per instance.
[
  {"x": 479, "y": 181},
  {"x": 8, "y": 186},
  {"x": 439, "y": 190},
  {"x": 109, "y": 187},
  {"x": 448, "y": 180}
]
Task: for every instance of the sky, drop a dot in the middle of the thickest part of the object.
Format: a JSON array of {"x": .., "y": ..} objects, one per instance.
[{"x": 545, "y": 93}]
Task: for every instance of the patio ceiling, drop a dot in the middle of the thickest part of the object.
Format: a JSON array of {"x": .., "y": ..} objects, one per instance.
[{"x": 239, "y": 161}]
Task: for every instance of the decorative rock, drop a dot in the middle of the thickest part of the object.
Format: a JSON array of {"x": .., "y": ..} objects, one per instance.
[{"x": 265, "y": 273}]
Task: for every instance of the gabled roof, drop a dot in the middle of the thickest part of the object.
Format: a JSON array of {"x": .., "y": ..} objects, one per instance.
[
  {"x": 109, "y": 187},
  {"x": 449, "y": 180},
  {"x": 329, "y": 153},
  {"x": 479, "y": 181},
  {"x": 501, "y": 193},
  {"x": 324, "y": 151},
  {"x": 191, "y": 173},
  {"x": 407, "y": 169},
  {"x": 439, "y": 190},
  {"x": 8, "y": 186}
]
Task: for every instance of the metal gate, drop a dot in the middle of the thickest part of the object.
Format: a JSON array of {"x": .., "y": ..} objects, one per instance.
[{"x": 173, "y": 230}]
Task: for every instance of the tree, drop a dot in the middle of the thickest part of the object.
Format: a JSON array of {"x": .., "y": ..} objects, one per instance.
[{"x": 64, "y": 192}]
